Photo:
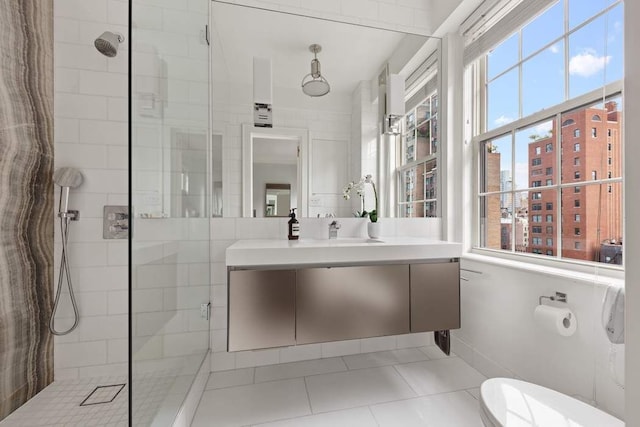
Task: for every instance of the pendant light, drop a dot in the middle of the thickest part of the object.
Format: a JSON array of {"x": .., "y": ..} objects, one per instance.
[{"x": 313, "y": 84}]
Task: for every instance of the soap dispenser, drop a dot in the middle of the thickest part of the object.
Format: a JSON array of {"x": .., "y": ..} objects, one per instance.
[{"x": 294, "y": 226}]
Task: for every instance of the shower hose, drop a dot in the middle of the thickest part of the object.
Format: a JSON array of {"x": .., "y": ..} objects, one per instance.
[{"x": 64, "y": 270}]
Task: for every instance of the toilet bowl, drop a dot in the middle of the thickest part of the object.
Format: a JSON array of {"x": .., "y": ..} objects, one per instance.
[{"x": 505, "y": 402}]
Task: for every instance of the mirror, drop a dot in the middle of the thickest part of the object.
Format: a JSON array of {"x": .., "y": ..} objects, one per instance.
[
  {"x": 277, "y": 199},
  {"x": 337, "y": 134}
]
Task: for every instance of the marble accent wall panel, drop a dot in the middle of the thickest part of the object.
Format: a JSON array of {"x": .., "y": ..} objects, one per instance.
[{"x": 26, "y": 199}]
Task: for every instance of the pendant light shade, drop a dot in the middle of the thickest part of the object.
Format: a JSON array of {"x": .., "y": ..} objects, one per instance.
[{"x": 313, "y": 84}]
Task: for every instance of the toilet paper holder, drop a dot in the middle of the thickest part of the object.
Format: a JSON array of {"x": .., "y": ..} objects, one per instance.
[{"x": 559, "y": 296}]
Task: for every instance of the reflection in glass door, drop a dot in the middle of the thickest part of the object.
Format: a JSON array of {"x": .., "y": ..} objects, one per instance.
[{"x": 170, "y": 205}]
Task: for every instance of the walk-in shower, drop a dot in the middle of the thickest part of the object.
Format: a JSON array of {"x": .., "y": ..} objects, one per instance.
[{"x": 66, "y": 178}]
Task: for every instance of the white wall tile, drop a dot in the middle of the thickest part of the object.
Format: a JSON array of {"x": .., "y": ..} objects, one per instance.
[
  {"x": 369, "y": 345},
  {"x": 248, "y": 359},
  {"x": 102, "y": 83},
  {"x": 80, "y": 106},
  {"x": 340, "y": 348},
  {"x": 66, "y": 130},
  {"x": 80, "y": 354},
  {"x": 223, "y": 361},
  {"x": 118, "y": 302},
  {"x": 79, "y": 57}
]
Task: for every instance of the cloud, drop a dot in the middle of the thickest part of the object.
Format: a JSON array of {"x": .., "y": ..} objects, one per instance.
[
  {"x": 587, "y": 63},
  {"x": 543, "y": 128},
  {"x": 502, "y": 120},
  {"x": 554, "y": 48}
]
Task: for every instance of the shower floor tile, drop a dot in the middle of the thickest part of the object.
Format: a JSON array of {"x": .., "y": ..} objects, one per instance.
[{"x": 59, "y": 405}]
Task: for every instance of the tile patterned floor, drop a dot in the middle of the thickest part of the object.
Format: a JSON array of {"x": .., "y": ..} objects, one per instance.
[
  {"x": 410, "y": 387},
  {"x": 59, "y": 405},
  {"x": 159, "y": 397}
]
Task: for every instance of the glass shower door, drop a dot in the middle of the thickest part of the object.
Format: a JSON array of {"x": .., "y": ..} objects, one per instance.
[{"x": 170, "y": 203}]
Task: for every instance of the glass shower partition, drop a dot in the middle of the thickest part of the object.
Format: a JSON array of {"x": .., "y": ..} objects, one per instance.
[{"x": 170, "y": 204}]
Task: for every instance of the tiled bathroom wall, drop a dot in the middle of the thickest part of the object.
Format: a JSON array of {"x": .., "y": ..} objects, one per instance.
[
  {"x": 499, "y": 336},
  {"x": 26, "y": 167},
  {"x": 225, "y": 231},
  {"x": 91, "y": 135}
]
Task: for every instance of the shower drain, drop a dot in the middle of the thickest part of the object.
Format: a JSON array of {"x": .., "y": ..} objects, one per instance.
[{"x": 102, "y": 394}]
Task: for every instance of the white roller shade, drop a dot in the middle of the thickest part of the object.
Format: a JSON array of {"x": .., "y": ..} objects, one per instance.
[{"x": 488, "y": 32}]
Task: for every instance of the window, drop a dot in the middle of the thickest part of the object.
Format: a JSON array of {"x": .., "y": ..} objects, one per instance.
[
  {"x": 529, "y": 94},
  {"x": 609, "y": 189},
  {"x": 417, "y": 170},
  {"x": 576, "y": 231},
  {"x": 577, "y": 245},
  {"x": 609, "y": 161},
  {"x": 609, "y": 174},
  {"x": 536, "y": 240}
]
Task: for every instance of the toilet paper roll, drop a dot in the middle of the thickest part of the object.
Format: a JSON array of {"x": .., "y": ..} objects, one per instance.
[{"x": 558, "y": 320}]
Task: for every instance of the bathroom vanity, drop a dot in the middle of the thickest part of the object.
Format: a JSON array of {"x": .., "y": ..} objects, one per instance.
[{"x": 283, "y": 293}]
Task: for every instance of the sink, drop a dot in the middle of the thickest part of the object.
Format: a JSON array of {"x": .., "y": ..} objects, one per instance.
[
  {"x": 338, "y": 251},
  {"x": 341, "y": 241}
]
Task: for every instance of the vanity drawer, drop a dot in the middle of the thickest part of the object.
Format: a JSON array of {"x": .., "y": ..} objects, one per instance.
[
  {"x": 261, "y": 309},
  {"x": 435, "y": 296},
  {"x": 341, "y": 303}
]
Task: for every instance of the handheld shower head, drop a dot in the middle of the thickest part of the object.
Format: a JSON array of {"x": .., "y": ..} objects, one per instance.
[
  {"x": 66, "y": 178},
  {"x": 108, "y": 42}
]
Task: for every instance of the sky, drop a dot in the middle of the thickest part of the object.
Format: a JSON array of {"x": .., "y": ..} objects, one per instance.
[{"x": 594, "y": 58}]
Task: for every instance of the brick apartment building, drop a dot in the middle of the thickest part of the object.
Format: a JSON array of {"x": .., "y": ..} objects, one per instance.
[{"x": 591, "y": 213}]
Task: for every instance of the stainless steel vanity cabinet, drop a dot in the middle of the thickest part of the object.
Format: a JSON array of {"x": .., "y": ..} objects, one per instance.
[
  {"x": 435, "y": 296},
  {"x": 341, "y": 303},
  {"x": 261, "y": 309}
]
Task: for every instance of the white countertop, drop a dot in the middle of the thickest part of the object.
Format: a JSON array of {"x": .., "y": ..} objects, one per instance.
[{"x": 265, "y": 252}]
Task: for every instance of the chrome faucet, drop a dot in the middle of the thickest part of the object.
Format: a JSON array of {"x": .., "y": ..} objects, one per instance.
[{"x": 333, "y": 229}]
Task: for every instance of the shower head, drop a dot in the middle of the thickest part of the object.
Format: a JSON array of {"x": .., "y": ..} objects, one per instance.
[
  {"x": 66, "y": 178},
  {"x": 108, "y": 42}
]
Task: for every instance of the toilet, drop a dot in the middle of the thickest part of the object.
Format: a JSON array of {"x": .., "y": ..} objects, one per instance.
[{"x": 506, "y": 402}]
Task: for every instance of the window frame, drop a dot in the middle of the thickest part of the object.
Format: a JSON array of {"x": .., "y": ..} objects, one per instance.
[
  {"x": 403, "y": 206},
  {"x": 478, "y": 135}
]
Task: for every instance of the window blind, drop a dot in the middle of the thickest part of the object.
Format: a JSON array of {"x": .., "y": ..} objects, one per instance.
[{"x": 498, "y": 23}]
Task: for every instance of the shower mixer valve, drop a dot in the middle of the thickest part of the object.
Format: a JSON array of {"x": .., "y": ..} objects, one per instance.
[{"x": 72, "y": 215}]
